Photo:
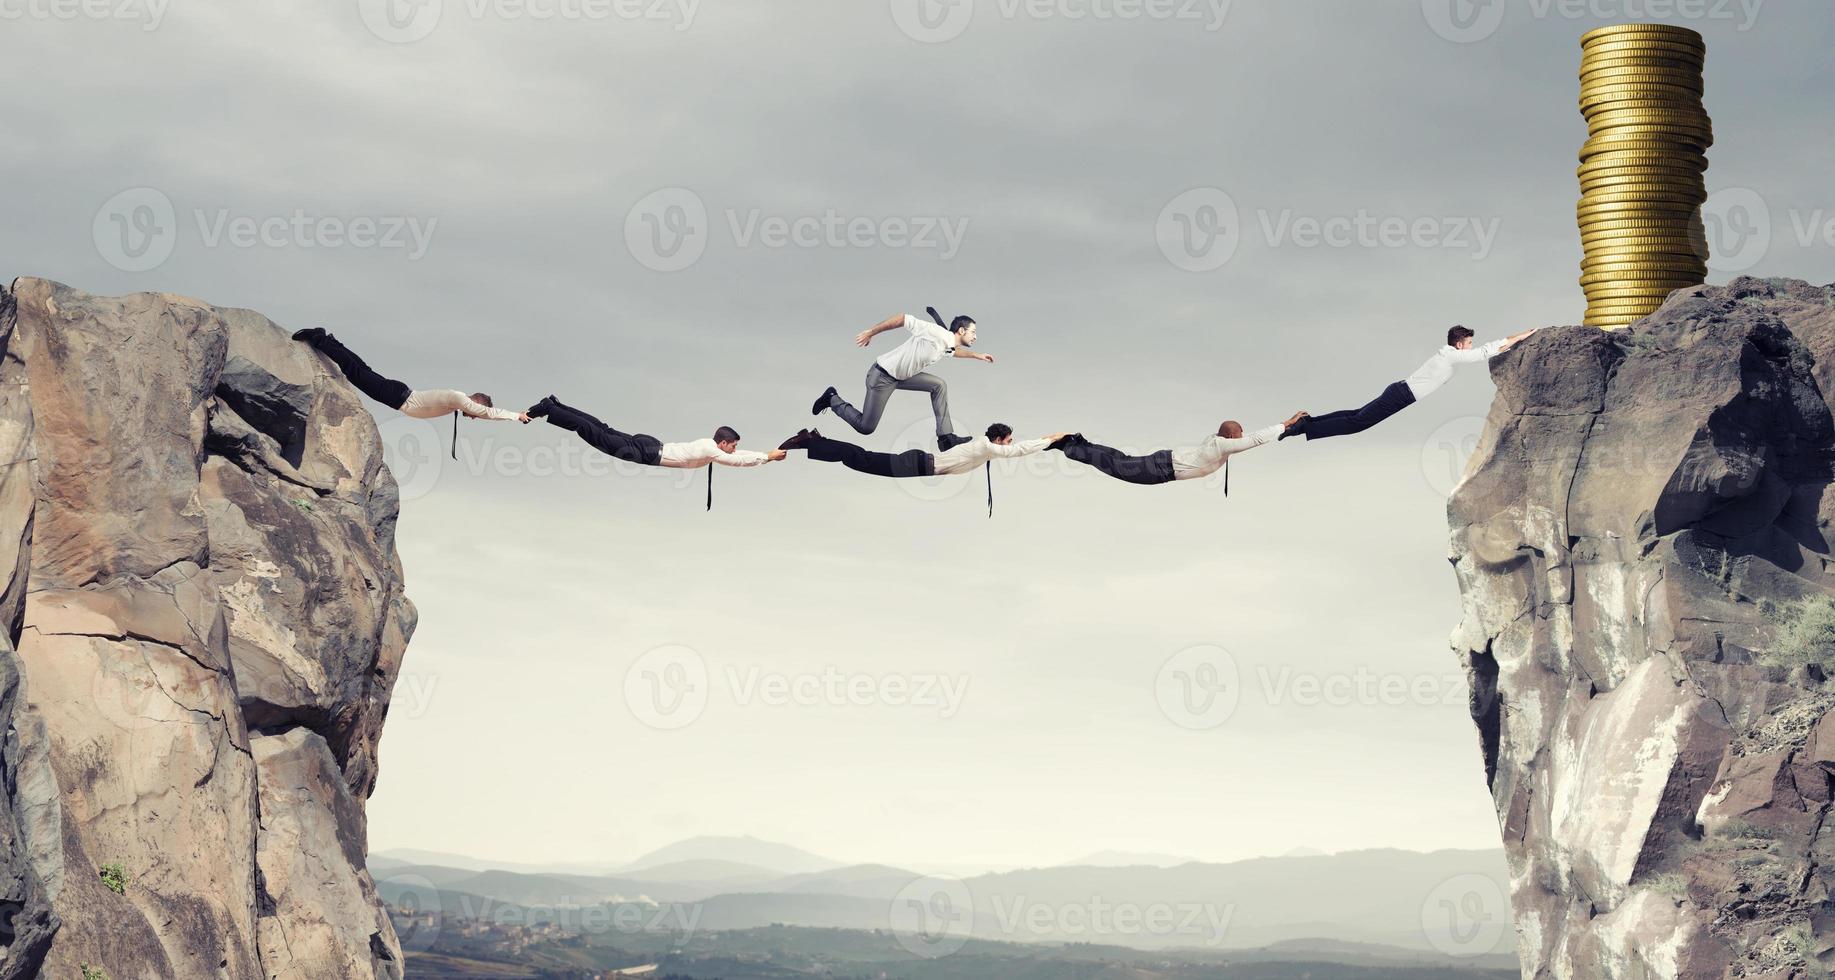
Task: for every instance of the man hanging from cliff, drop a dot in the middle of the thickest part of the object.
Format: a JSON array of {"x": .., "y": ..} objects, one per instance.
[
  {"x": 429, "y": 404},
  {"x": 722, "y": 447},
  {"x": 1169, "y": 465},
  {"x": 1425, "y": 381},
  {"x": 902, "y": 368}
]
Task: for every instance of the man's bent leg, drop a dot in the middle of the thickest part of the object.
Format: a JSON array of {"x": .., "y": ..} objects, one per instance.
[
  {"x": 865, "y": 419},
  {"x": 938, "y": 390}
]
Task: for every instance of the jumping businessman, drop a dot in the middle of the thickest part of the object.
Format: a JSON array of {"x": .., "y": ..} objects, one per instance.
[
  {"x": 430, "y": 404},
  {"x": 1425, "y": 381},
  {"x": 1168, "y": 465},
  {"x": 903, "y": 368},
  {"x": 964, "y": 457}
]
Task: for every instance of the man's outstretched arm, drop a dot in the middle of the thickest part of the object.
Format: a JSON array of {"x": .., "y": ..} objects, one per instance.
[
  {"x": 865, "y": 337},
  {"x": 973, "y": 355}
]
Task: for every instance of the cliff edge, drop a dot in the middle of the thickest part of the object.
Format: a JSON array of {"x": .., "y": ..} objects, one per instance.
[
  {"x": 1642, "y": 544},
  {"x": 204, "y": 618}
]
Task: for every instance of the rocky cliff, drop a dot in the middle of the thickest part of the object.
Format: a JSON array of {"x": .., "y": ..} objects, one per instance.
[
  {"x": 204, "y": 618},
  {"x": 1643, "y": 545}
]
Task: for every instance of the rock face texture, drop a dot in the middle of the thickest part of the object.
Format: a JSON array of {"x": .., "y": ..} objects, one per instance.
[
  {"x": 1643, "y": 544},
  {"x": 204, "y": 619}
]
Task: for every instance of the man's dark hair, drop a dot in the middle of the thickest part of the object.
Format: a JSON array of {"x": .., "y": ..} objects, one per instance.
[
  {"x": 483, "y": 399},
  {"x": 1457, "y": 334},
  {"x": 725, "y": 433},
  {"x": 961, "y": 323},
  {"x": 999, "y": 431}
]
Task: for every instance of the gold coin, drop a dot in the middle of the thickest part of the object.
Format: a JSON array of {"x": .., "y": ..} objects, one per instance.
[
  {"x": 1603, "y": 77},
  {"x": 1669, "y": 120},
  {"x": 1628, "y": 30},
  {"x": 1667, "y": 281},
  {"x": 1680, "y": 107},
  {"x": 1677, "y": 213},
  {"x": 1670, "y": 115},
  {"x": 1596, "y": 258},
  {"x": 1632, "y": 143},
  {"x": 1615, "y": 160},
  {"x": 1644, "y": 46},
  {"x": 1671, "y": 195},
  {"x": 1639, "y": 183},
  {"x": 1625, "y": 246},
  {"x": 1603, "y": 234},
  {"x": 1646, "y": 172},
  {"x": 1596, "y": 94},
  {"x": 1677, "y": 135},
  {"x": 1591, "y": 66},
  {"x": 1627, "y": 313}
]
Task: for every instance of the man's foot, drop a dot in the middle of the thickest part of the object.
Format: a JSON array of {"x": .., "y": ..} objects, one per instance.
[
  {"x": 949, "y": 440},
  {"x": 826, "y": 402},
  {"x": 540, "y": 409},
  {"x": 1070, "y": 440},
  {"x": 310, "y": 335},
  {"x": 800, "y": 441}
]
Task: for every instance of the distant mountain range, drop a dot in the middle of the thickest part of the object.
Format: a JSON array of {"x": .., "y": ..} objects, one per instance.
[{"x": 1389, "y": 898}]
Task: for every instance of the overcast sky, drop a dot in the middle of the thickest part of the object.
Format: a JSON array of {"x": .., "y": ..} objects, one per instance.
[{"x": 678, "y": 214}]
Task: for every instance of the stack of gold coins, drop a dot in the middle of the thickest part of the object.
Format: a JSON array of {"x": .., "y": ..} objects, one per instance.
[{"x": 1642, "y": 169}]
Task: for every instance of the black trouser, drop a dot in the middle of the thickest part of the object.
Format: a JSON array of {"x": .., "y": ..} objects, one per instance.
[
  {"x": 914, "y": 462},
  {"x": 1144, "y": 470},
  {"x": 385, "y": 390},
  {"x": 1393, "y": 399},
  {"x": 639, "y": 448}
]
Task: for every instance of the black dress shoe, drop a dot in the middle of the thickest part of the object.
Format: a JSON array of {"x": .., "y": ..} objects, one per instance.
[
  {"x": 826, "y": 402},
  {"x": 949, "y": 440},
  {"x": 798, "y": 441},
  {"x": 1296, "y": 429},
  {"x": 310, "y": 335},
  {"x": 540, "y": 409},
  {"x": 1071, "y": 439}
]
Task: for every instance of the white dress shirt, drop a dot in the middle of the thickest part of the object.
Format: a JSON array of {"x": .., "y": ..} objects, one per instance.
[
  {"x": 433, "y": 404},
  {"x": 928, "y": 344},
  {"x": 1439, "y": 368},
  {"x": 971, "y": 454},
  {"x": 1208, "y": 458},
  {"x": 701, "y": 452}
]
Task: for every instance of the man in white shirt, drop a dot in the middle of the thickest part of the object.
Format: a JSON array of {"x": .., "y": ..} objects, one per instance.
[
  {"x": 429, "y": 404},
  {"x": 962, "y": 458},
  {"x": 903, "y": 367},
  {"x": 1169, "y": 465},
  {"x": 722, "y": 448},
  {"x": 1426, "y": 380}
]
